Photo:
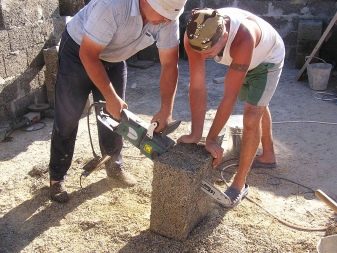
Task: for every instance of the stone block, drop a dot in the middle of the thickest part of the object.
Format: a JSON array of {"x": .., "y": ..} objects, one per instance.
[
  {"x": 38, "y": 33},
  {"x": 305, "y": 47},
  {"x": 20, "y": 38},
  {"x": 16, "y": 63},
  {"x": 309, "y": 30},
  {"x": 24, "y": 85},
  {"x": 178, "y": 204},
  {"x": 29, "y": 82},
  {"x": 18, "y": 13},
  {"x": 59, "y": 25},
  {"x": 290, "y": 53},
  {"x": 4, "y": 45},
  {"x": 35, "y": 56},
  {"x": 50, "y": 8},
  {"x": 290, "y": 39},
  {"x": 51, "y": 62},
  {"x": 42, "y": 76},
  {"x": 256, "y": 7},
  {"x": 49, "y": 33},
  {"x": 284, "y": 7},
  {"x": 323, "y": 9},
  {"x": 8, "y": 91},
  {"x": 2, "y": 68},
  {"x": 4, "y": 115},
  {"x": 18, "y": 106},
  {"x": 309, "y": 33},
  {"x": 70, "y": 8}
]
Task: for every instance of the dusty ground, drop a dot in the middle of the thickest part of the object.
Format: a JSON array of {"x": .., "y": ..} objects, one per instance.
[{"x": 107, "y": 217}]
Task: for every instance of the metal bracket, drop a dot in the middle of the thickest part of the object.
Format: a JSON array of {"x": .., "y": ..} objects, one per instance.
[
  {"x": 151, "y": 129},
  {"x": 107, "y": 121}
]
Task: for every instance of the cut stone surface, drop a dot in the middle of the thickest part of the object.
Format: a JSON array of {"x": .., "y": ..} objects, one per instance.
[{"x": 178, "y": 203}]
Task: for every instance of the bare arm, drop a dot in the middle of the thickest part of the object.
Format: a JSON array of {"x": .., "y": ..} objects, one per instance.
[
  {"x": 89, "y": 55},
  {"x": 241, "y": 52},
  {"x": 197, "y": 93},
  {"x": 168, "y": 85}
]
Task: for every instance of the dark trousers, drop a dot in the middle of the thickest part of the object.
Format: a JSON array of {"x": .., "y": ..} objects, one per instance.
[{"x": 72, "y": 88}]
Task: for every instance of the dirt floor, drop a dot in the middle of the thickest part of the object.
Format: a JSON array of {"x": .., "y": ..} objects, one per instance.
[{"x": 105, "y": 216}]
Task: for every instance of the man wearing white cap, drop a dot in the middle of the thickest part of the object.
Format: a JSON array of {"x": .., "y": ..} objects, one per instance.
[
  {"x": 254, "y": 53},
  {"x": 92, "y": 54}
]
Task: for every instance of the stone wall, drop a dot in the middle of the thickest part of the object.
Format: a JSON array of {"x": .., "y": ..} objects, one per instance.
[{"x": 26, "y": 27}]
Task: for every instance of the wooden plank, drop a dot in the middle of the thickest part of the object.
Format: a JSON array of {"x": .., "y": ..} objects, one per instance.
[{"x": 318, "y": 45}]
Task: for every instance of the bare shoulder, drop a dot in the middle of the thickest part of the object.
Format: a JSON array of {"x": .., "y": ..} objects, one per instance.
[{"x": 243, "y": 43}]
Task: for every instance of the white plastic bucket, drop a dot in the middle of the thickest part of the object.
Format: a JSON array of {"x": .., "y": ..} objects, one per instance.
[
  {"x": 235, "y": 128},
  {"x": 207, "y": 126},
  {"x": 318, "y": 75},
  {"x": 327, "y": 244}
]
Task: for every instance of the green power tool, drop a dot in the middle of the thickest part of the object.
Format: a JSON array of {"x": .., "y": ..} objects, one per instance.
[
  {"x": 135, "y": 130},
  {"x": 141, "y": 134}
]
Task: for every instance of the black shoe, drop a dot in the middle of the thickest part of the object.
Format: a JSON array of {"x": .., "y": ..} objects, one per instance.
[{"x": 58, "y": 193}]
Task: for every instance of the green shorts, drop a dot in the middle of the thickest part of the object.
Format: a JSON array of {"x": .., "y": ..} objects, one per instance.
[{"x": 260, "y": 84}]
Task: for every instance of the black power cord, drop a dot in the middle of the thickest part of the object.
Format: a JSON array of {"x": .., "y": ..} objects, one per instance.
[
  {"x": 92, "y": 164},
  {"x": 282, "y": 221}
]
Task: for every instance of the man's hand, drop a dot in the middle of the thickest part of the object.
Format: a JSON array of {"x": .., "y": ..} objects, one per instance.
[
  {"x": 89, "y": 55},
  {"x": 115, "y": 106},
  {"x": 216, "y": 151},
  {"x": 163, "y": 119},
  {"x": 188, "y": 139}
]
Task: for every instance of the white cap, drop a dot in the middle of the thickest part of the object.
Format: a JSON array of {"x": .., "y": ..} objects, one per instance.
[{"x": 170, "y": 9}]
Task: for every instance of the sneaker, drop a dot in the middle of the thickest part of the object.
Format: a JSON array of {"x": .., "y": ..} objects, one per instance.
[
  {"x": 58, "y": 193},
  {"x": 235, "y": 196},
  {"x": 119, "y": 173}
]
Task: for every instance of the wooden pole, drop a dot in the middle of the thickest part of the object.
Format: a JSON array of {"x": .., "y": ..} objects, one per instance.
[
  {"x": 326, "y": 199},
  {"x": 318, "y": 45}
]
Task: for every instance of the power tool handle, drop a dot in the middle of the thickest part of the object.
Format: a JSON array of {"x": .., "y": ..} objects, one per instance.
[{"x": 124, "y": 114}]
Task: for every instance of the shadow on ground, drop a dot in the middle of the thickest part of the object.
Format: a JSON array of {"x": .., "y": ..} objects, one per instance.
[{"x": 21, "y": 225}]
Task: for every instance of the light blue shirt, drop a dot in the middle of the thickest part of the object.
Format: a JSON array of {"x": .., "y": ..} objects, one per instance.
[{"x": 118, "y": 25}]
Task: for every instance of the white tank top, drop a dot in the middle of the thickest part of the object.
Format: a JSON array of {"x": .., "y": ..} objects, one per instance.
[{"x": 270, "y": 48}]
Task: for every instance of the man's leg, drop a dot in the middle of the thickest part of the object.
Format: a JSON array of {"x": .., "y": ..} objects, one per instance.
[
  {"x": 268, "y": 154},
  {"x": 71, "y": 93},
  {"x": 257, "y": 90},
  {"x": 250, "y": 142},
  {"x": 111, "y": 143}
]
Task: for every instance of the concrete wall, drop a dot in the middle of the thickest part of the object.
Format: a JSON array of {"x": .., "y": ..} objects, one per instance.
[{"x": 28, "y": 26}]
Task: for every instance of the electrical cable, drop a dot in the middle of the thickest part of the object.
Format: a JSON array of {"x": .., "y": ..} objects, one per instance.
[
  {"x": 89, "y": 132},
  {"x": 305, "y": 121},
  {"x": 88, "y": 125},
  {"x": 325, "y": 96},
  {"x": 282, "y": 221}
]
